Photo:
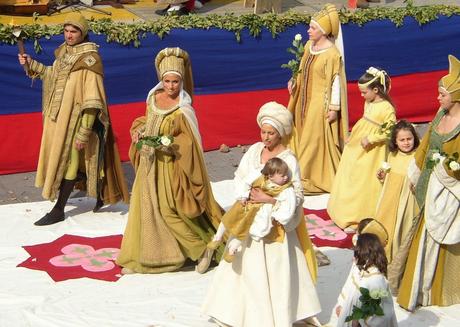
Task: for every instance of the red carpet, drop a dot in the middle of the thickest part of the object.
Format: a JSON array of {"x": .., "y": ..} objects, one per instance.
[
  {"x": 71, "y": 257},
  {"x": 323, "y": 232}
]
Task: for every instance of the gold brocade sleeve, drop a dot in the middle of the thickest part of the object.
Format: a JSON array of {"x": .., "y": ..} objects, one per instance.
[
  {"x": 191, "y": 185},
  {"x": 133, "y": 154}
]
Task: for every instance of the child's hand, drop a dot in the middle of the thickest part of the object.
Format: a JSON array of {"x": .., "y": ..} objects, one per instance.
[
  {"x": 412, "y": 188},
  {"x": 365, "y": 143},
  {"x": 338, "y": 309},
  {"x": 381, "y": 175},
  {"x": 244, "y": 201}
]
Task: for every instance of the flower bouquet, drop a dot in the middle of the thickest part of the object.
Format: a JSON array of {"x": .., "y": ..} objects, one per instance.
[
  {"x": 387, "y": 128},
  {"x": 370, "y": 304},
  {"x": 451, "y": 161},
  {"x": 155, "y": 141},
  {"x": 297, "y": 50}
]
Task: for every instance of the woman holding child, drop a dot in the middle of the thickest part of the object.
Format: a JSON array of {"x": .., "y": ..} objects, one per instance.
[{"x": 269, "y": 282}]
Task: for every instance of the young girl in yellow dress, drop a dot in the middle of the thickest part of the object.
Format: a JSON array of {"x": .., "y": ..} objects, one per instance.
[
  {"x": 355, "y": 190},
  {"x": 397, "y": 205}
]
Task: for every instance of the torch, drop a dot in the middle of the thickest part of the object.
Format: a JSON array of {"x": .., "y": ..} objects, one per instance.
[{"x": 17, "y": 34}]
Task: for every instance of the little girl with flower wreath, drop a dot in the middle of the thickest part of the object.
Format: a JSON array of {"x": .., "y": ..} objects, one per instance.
[
  {"x": 355, "y": 190},
  {"x": 367, "y": 276}
]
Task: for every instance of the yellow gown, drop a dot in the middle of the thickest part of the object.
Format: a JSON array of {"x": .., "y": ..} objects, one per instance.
[
  {"x": 397, "y": 205},
  {"x": 431, "y": 270},
  {"x": 316, "y": 142},
  {"x": 356, "y": 189},
  {"x": 172, "y": 213}
]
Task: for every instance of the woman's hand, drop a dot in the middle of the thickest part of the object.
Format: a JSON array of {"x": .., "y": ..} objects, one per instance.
[
  {"x": 338, "y": 309},
  {"x": 169, "y": 150},
  {"x": 289, "y": 86},
  {"x": 23, "y": 58},
  {"x": 259, "y": 196},
  {"x": 331, "y": 116},
  {"x": 135, "y": 137},
  {"x": 365, "y": 143}
]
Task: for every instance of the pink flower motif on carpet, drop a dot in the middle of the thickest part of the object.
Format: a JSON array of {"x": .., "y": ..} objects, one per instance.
[
  {"x": 324, "y": 229},
  {"x": 86, "y": 257}
]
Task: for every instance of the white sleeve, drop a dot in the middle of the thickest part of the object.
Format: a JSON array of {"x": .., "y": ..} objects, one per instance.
[
  {"x": 262, "y": 223},
  {"x": 335, "y": 92},
  {"x": 294, "y": 169},
  {"x": 285, "y": 207},
  {"x": 243, "y": 174}
]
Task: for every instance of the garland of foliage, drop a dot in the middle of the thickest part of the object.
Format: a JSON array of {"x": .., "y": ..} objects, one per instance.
[{"x": 132, "y": 33}]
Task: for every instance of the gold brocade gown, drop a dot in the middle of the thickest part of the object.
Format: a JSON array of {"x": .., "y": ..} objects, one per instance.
[
  {"x": 356, "y": 189},
  {"x": 173, "y": 214}
]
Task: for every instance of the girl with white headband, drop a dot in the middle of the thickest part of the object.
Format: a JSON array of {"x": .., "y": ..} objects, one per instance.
[{"x": 356, "y": 190}]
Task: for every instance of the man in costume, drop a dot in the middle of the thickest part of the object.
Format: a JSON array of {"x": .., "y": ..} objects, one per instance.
[{"x": 77, "y": 142}]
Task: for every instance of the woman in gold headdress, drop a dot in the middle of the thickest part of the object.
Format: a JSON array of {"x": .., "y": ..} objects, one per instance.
[
  {"x": 319, "y": 104},
  {"x": 431, "y": 269},
  {"x": 173, "y": 214}
]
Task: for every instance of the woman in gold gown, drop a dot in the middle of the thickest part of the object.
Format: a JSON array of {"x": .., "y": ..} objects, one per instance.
[
  {"x": 173, "y": 214},
  {"x": 430, "y": 273},
  {"x": 319, "y": 104}
]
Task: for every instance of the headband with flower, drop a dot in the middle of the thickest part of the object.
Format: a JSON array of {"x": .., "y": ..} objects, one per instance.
[{"x": 379, "y": 75}]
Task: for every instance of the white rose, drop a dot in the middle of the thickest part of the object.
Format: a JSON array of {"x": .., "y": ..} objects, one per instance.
[
  {"x": 375, "y": 294},
  {"x": 384, "y": 293},
  {"x": 454, "y": 165},
  {"x": 385, "y": 166},
  {"x": 436, "y": 156},
  {"x": 298, "y": 37},
  {"x": 164, "y": 140}
]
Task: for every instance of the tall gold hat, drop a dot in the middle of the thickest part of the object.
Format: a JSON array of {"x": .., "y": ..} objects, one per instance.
[
  {"x": 376, "y": 228},
  {"x": 451, "y": 82},
  {"x": 175, "y": 60},
  {"x": 76, "y": 19},
  {"x": 328, "y": 20}
]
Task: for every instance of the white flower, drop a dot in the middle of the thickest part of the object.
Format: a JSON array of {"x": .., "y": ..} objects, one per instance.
[
  {"x": 298, "y": 37},
  {"x": 164, "y": 140},
  {"x": 378, "y": 293},
  {"x": 436, "y": 156},
  {"x": 385, "y": 166},
  {"x": 454, "y": 165}
]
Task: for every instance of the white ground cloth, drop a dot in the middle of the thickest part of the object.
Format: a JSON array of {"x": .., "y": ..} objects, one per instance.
[{"x": 31, "y": 298}]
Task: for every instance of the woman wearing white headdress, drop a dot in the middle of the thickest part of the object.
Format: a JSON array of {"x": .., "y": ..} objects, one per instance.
[
  {"x": 319, "y": 103},
  {"x": 268, "y": 283},
  {"x": 172, "y": 215}
]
